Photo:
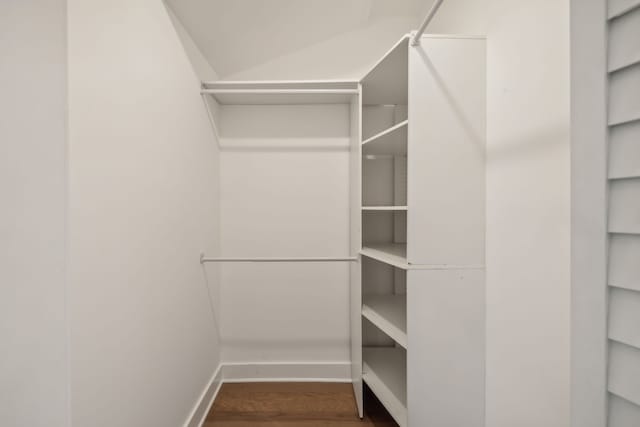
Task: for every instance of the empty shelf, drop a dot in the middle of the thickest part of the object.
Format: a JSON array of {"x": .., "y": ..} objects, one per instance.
[
  {"x": 384, "y": 208},
  {"x": 390, "y": 253},
  {"x": 281, "y": 93},
  {"x": 385, "y": 372},
  {"x": 390, "y": 141},
  {"x": 389, "y": 314}
]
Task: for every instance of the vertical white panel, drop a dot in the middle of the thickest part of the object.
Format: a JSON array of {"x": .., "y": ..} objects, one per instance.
[
  {"x": 355, "y": 269},
  {"x": 624, "y": 206},
  {"x": 624, "y": 40},
  {"x": 623, "y": 413},
  {"x": 34, "y": 374},
  {"x": 624, "y": 371},
  {"x": 446, "y": 152},
  {"x": 624, "y": 151},
  {"x": 624, "y": 95},
  {"x": 624, "y": 316},
  {"x": 624, "y": 268},
  {"x": 588, "y": 263},
  {"x": 446, "y": 356}
]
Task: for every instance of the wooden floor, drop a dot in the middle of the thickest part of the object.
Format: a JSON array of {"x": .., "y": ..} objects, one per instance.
[{"x": 293, "y": 405}]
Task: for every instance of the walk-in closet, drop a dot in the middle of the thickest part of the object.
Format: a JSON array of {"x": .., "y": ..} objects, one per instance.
[{"x": 304, "y": 213}]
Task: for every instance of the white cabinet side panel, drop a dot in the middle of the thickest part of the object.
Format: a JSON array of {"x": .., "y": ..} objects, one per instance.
[
  {"x": 446, "y": 357},
  {"x": 446, "y": 152},
  {"x": 355, "y": 273}
]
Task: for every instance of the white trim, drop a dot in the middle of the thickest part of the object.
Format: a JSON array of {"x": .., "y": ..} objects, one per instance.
[
  {"x": 202, "y": 407},
  {"x": 336, "y": 372},
  {"x": 589, "y": 241},
  {"x": 283, "y": 82}
]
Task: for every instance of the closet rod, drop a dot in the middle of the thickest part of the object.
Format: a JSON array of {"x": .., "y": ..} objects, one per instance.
[
  {"x": 203, "y": 259},
  {"x": 415, "y": 41}
]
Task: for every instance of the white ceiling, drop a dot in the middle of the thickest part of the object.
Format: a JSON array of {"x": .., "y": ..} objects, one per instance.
[{"x": 237, "y": 35}]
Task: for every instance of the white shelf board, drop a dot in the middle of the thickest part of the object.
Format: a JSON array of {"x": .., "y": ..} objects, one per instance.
[
  {"x": 385, "y": 372},
  {"x": 387, "y": 82},
  {"x": 389, "y": 314},
  {"x": 390, "y": 253},
  {"x": 384, "y": 208},
  {"x": 281, "y": 92},
  {"x": 390, "y": 141}
]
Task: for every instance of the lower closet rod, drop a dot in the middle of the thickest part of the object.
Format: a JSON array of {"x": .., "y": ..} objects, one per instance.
[{"x": 298, "y": 259}]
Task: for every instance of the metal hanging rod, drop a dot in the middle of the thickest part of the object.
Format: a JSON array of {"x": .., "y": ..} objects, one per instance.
[
  {"x": 204, "y": 259},
  {"x": 415, "y": 41}
]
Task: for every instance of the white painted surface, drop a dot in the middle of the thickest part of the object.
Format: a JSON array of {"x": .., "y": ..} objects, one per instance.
[
  {"x": 243, "y": 372},
  {"x": 143, "y": 205},
  {"x": 446, "y": 152},
  {"x": 588, "y": 403},
  {"x": 285, "y": 192},
  {"x": 624, "y": 95},
  {"x": 624, "y": 371},
  {"x": 355, "y": 244},
  {"x": 618, "y": 7},
  {"x": 624, "y": 40},
  {"x": 528, "y": 208},
  {"x": 332, "y": 38},
  {"x": 624, "y": 253},
  {"x": 622, "y": 413},
  {"x": 624, "y": 216},
  {"x": 446, "y": 350},
  {"x": 624, "y": 316},
  {"x": 624, "y": 206},
  {"x": 386, "y": 83},
  {"x": 389, "y": 314},
  {"x": 385, "y": 372},
  {"x": 624, "y": 151},
  {"x": 33, "y": 325}
]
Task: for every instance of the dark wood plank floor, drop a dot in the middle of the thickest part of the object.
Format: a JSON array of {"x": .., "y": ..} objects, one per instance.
[{"x": 293, "y": 404}]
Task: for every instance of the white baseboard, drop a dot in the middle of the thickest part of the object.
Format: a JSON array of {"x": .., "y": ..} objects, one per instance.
[
  {"x": 335, "y": 372},
  {"x": 203, "y": 405},
  {"x": 286, "y": 372}
]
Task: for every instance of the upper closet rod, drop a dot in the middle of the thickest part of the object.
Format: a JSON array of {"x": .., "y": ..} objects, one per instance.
[
  {"x": 415, "y": 41},
  {"x": 203, "y": 259}
]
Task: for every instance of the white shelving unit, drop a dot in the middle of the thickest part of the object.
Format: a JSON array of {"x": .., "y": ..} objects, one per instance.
[
  {"x": 391, "y": 141},
  {"x": 389, "y": 314},
  {"x": 394, "y": 254},
  {"x": 423, "y": 231},
  {"x": 385, "y": 372}
]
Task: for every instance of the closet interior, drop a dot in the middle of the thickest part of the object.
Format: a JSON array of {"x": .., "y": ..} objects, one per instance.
[{"x": 394, "y": 214}]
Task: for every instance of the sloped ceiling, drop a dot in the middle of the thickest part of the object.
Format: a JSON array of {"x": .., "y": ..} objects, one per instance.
[{"x": 239, "y": 35}]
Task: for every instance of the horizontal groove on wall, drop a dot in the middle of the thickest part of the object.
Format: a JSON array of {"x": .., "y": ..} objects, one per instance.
[
  {"x": 624, "y": 150},
  {"x": 624, "y": 95},
  {"x": 624, "y": 268},
  {"x": 618, "y": 8},
  {"x": 624, "y": 316},
  {"x": 624, "y": 206},
  {"x": 624, "y": 41},
  {"x": 623, "y": 413},
  {"x": 624, "y": 371}
]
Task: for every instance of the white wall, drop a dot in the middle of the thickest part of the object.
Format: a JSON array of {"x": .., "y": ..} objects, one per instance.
[
  {"x": 528, "y": 206},
  {"x": 143, "y": 204},
  {"x": 346, "y": 56},
  {"x": 33, "y": 334},
  {"x": 284, "y": 192}
]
